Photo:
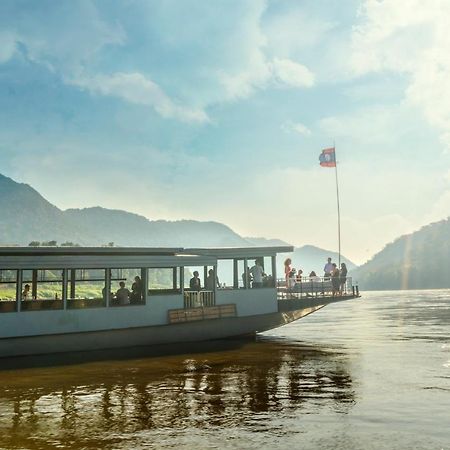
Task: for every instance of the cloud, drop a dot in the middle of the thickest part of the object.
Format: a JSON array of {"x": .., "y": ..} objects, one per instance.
[
  {"x": 136, "y": 88},
  {"x": 292, "y": 73},
  {"x": 7, "y": 46},
  {"x": 297, "y": 128},
  {"x": 410, "y": 39}
]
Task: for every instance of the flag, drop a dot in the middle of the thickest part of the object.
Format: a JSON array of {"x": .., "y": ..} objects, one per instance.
[{"x": 328, "y": 157}]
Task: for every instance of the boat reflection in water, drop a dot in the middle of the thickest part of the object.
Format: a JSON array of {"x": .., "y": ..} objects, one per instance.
[{"x": 108, "y": 404}]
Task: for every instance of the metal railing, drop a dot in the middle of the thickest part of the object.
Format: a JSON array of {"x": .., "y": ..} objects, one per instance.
[
  {"x": 196, "y": 299},
  {"x": 313, "y": 287}
]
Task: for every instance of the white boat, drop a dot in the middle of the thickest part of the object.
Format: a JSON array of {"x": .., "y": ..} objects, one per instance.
[{"x": 63, "y": 299}]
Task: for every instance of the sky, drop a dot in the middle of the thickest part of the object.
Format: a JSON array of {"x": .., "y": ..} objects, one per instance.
[{"x": 218, "y": 110}]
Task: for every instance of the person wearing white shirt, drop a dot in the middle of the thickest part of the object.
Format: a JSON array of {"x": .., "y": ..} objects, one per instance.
[
  {"x": 257, "y": 273},
  {"x": 328, "y": 268}
]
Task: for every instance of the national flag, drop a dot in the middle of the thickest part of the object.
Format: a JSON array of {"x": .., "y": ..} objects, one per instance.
[{"x": 328, "y": 157}]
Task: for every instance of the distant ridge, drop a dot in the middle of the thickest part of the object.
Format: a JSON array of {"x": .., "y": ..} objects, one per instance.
[
  {"x": 27, "y": 216},
  {"x": 420, "y": 260}
]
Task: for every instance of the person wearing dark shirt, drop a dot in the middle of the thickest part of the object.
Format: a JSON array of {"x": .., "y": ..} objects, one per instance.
[
  {"x": 136, "y": 290},
  {"x": 194, "y": 283}
]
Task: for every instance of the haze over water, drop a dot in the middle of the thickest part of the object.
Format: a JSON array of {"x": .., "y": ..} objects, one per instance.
[{"x": 370, "y": 373}]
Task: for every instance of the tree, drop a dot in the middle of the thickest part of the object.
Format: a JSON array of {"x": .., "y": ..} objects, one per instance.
[{"x": 34, "y": 244}]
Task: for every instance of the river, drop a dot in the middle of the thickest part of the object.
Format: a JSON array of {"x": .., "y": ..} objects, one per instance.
[{"x": 372, "y": 373}]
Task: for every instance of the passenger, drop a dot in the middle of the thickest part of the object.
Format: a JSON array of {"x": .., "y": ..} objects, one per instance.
[
  {"x": 136, "y": 290},
  {"x": 246, "y": 277},
  {"x": 299, "y": 275},
  {"x": 287, "y": 269},
  {"x": 195, "y": 283},
  {"x": 123, "y": 294},
  {"x": 335, "y": 280},
  {"x": 291, "y": 278},
  {"x": 343, "y": 277},
  {"x": 26, "y": 294},
  {"x": 313, "y": 276},
  {"x": 210, "y": 282},
  {"x": 257, "y": 273},
  {"x": 268, "y": 281},
  {"x": 328, "y": 268}
]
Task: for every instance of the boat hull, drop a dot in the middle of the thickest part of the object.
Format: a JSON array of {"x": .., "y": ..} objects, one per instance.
[{"x": 152, "y": 335}]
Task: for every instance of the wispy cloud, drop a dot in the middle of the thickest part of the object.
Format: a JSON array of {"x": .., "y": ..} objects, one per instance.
[
  {"x": 292, "y": 73},
  {"x": 138, "y": 89},
  {"x": 296, "y": 127}
]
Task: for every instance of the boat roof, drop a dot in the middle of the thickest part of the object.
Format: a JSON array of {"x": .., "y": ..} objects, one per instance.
[
  {"x": 240, "y": 252},
  {"x": 108, "y": 251},
  {"x": 124, "y": 257}
]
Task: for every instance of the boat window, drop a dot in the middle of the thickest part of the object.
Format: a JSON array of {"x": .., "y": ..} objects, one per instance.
[
  {"x": 127, "y": 287},
  {"x": 268, "y": 267},
  {"x": 164, "y": 280},
  {"x": 8, "y": 290},
  {"x": 41, "y": 289},
  {"x": 225, "y": 273},
  {"x": 86, "y": 288}
]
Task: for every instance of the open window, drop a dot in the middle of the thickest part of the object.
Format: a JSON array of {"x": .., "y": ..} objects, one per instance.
[
  {"x": 41, "y": 289},
  {"x": 8, "y": 290},
  {"x": 164, "y": 280},
  {"x": 86, "y": 288}
]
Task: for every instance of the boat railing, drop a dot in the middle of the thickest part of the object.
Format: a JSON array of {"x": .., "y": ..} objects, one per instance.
[
  {"x": 294, "y": 288},
  {"x": 196, "y": 299}
]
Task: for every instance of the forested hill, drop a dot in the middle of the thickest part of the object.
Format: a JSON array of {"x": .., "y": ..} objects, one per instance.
[
  {"x": 420, "y": 260},
  {"x": 27, "y": 216}
]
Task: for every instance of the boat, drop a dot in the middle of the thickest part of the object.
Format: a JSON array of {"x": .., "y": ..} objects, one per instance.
[{"x": 70, "y": 299}]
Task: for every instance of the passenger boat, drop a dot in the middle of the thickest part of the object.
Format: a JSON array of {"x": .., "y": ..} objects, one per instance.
[{"x": 62, "y": 299}]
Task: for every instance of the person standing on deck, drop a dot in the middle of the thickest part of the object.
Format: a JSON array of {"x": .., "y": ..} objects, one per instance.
[
  {"x": 211, "y": 280},
  {"x": 335, "y": 280},
  {"x": 257, "y": 273},
  {"x": 328, "y": 268},
  {"x": 287, "y": 269},
  {"x": 343, "y": 277},
  {"x": 195, "y": 283}
]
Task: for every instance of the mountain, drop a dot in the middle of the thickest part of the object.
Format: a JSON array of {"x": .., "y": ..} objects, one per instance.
[
  {"x": 263, "y": 242},
  {"x": 27, "y": 216},
  {"x": 420, "y": 260},
  {"x": 310, "y": 258}
]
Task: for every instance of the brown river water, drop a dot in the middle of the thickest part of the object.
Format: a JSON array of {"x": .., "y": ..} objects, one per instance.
[{"x": 371, "y": 373}]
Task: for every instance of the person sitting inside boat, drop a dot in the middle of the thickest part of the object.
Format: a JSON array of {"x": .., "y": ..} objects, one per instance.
[
  {"x": 257, "y": 273},
  {"x": 299, "y": 276},
  {"x": 26, "y": 294},
  {"x": 194, "y": 283},
  {"x": 123, "y": 294},
  {"x": 136, "y": 290},
  {"x": 210, "y": 282}
]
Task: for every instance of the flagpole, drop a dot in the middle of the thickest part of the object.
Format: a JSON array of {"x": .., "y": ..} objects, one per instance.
[{"x": 338, "y": 208}]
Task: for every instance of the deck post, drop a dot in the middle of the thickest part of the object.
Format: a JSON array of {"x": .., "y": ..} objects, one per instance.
[
  {"x": 65, "y": 277},
  {"x": 235, "y": 274},
  {"x": 34, "y": 281},
  {"x": 107, "y": 287},
  {"x": 246, "y": 277},
  {"x": 182, "y": 279},
  {"x": 144, "y": 280},
  {"x": 274, "y": 270},
  {"x": 19, "y": 291}
]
